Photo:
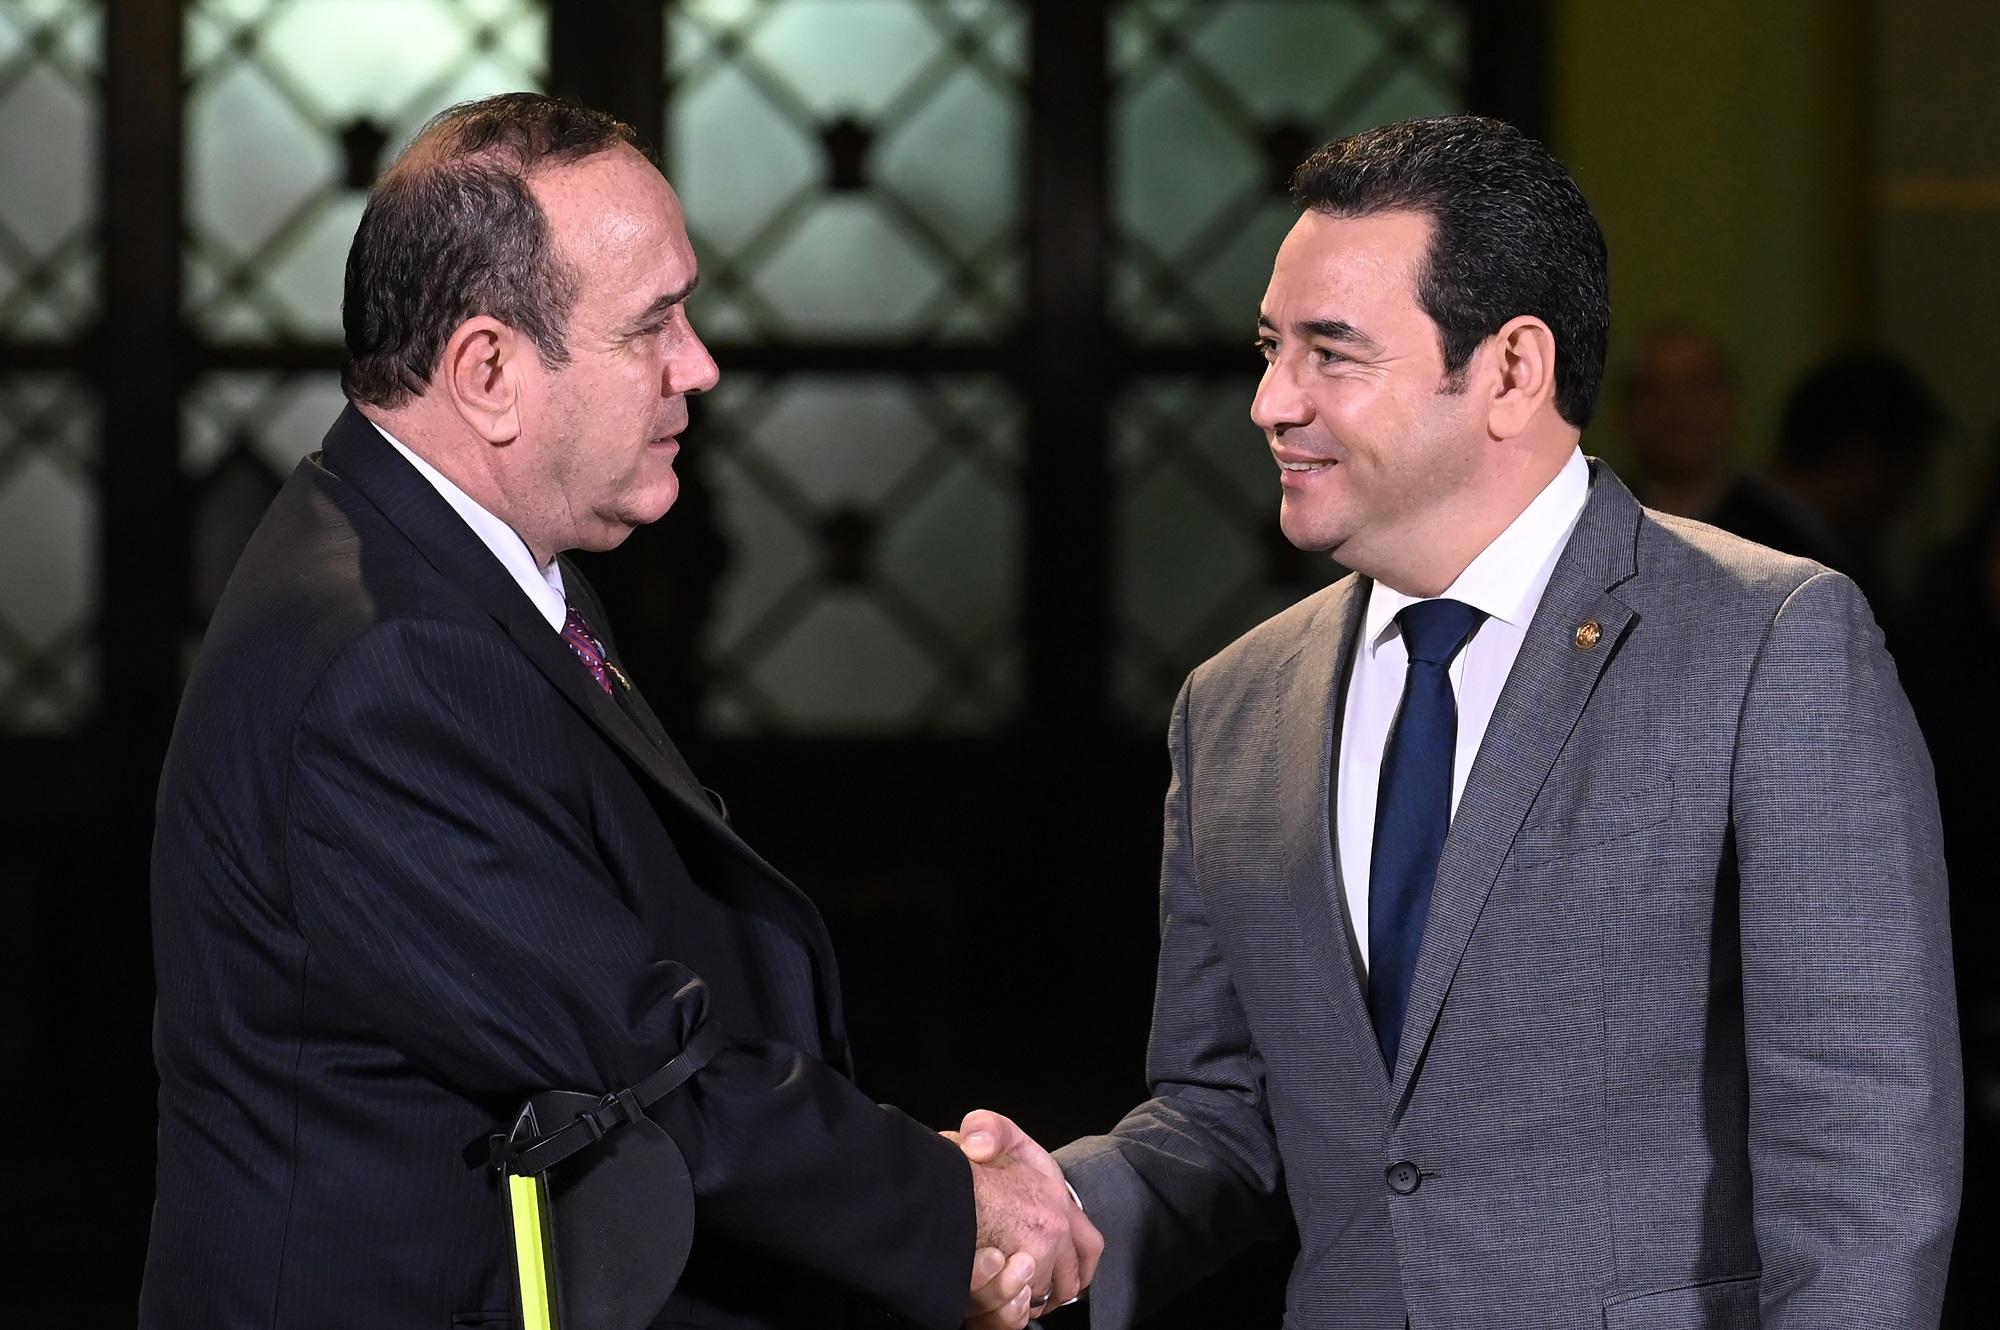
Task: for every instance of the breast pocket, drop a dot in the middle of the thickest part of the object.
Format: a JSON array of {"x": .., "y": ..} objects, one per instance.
[
  {"x": 1715, "y": 1304},
  {"x": 1580, "y": 821}
]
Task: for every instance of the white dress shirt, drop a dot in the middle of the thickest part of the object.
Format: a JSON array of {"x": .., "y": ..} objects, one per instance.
[
  {"x": 543, "y": 586},
  {"x": 1506, "y": 580}
]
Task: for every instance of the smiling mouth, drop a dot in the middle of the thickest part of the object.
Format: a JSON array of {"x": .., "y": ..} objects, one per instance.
[{"x": 1307, "y": 466}]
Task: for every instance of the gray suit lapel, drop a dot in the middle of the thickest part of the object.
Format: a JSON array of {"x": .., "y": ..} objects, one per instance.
[
  {"x": 1544, "y": 696},
  {"x": 1311, "y": 685}
]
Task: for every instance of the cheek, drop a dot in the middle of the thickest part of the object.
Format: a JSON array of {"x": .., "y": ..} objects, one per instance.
[
  {"x": 1363, "y": 415},
  {"x": 629, "y": 396}
]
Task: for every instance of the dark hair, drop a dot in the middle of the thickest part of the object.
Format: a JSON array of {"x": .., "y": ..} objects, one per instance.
[
  {"x": 452, "y": 231},
  {"x": 1859, "y": 399},
  {"x": 1510, "y": 235}
]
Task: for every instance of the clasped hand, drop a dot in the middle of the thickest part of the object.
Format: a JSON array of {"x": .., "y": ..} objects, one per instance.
[{"x": 1036, "y": 1248}]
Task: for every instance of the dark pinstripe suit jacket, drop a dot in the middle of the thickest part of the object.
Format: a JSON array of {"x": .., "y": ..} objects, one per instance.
[
  {"x": 411, "y": 866},
  {"x": 1681, "y": 1049}
]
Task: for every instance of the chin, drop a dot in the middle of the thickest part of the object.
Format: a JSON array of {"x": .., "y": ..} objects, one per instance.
[
  {"x": 651, "y": 505},
  {"x": 1306, "y": 533}
]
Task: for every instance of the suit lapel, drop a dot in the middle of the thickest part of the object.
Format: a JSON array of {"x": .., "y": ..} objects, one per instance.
[
  {"x": 355, "y": 451},
  {"x": 631, "y": 723},
  {"x": 1544, "y": 696},
  {"x": 1311, "y": 686}
]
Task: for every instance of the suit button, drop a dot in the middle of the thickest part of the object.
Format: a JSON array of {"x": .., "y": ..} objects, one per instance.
[{"x": 1404, "y": 1178}]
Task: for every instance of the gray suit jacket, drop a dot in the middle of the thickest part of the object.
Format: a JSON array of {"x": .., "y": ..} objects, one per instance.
[{"x": 1681, "y": 1048}]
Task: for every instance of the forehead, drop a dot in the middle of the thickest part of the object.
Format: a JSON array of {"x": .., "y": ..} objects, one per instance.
[
  {"x": 1350, "y": 262},
  {"x": 616, "y": 219}
]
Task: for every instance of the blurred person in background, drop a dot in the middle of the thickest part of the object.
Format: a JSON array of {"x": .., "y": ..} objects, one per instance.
[
  {"x": 1854, "y": 441},
  {"x": 1679, "y": 414},
  {"x": 1951, "y": 685}
]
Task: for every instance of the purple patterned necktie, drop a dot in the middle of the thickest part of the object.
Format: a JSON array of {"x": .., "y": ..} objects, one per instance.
[{"x": 588, "y": 649}]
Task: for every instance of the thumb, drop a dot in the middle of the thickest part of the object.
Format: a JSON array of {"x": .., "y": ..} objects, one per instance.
[{"x": 986, "y": 1135}]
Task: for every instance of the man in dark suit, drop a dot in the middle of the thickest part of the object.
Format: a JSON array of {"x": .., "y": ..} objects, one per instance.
[
  {"x": 1553, "y": 924},
  {"x": 423, "y": 850}
]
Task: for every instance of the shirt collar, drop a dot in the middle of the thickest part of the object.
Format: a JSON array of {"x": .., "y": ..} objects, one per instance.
[
  {"x": 1507, "y": 578},
  {"x": 542, "y": 586}
]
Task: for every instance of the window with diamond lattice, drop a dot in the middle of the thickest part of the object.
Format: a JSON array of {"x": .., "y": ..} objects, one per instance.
[
  {"x": 292, "y": 107},
  {"x": 48, "y": 552},
  {"x": 1214, "y": 105},
  {"x": 242, "y": 432},
  {"x": 873, "y": 580},
  {"x": 851, "y": 167},
  {"x": 51, "y": 70},
  {"x": 873, "y": 515},
  {"x": 50, "y": 67},
  {"x": 856, "y": 178}
]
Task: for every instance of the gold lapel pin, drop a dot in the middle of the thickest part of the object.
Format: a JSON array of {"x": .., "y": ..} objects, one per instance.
[{"x": 1587, "y": 634}]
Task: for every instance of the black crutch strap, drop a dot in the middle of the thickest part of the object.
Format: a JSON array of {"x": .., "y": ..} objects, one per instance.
[{"x": 612, "y": 1111}]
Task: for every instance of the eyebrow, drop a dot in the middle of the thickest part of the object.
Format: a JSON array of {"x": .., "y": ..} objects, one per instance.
[
  {"x": 1334, "y": 330},
  {"x": 663, "y": 303}
]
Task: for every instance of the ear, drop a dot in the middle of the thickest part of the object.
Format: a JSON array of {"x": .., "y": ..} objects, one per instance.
[
  {"x": 481, "y": 374},
  {"x": 1525, "y": 351}
]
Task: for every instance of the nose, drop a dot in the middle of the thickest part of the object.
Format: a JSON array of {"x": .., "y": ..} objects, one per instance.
[
  {"x": 1279, "y": 405},
  {"x": 691, "y": 369}
]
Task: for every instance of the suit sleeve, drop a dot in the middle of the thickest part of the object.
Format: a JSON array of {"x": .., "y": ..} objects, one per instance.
[
  {"x": 447, "y": 884},
  {"x": 1191, "y": 1176},
  {"x": 1849, "y": 1022}
]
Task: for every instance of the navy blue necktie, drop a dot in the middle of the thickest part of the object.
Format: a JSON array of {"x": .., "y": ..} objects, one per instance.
[{"x": 1412, "y": 810}]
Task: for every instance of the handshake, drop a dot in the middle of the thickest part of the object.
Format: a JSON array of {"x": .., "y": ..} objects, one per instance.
[{"x": 1036, "y": 1248}]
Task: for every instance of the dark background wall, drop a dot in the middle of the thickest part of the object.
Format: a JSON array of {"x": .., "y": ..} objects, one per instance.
[{"x": 977, "y": 489}]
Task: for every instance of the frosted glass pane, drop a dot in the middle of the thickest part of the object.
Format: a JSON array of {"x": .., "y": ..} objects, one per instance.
[
  {"x": 1285, "y": 59},
  {"x": 955, "y": 553},
  {"x": 1199, "y": 558},
  {"x": 242, "y": 433},
  {"x": 874, "y": 526},
  {"x": 846, "y": 56},
  {"x": 843, "y": 665},
  {"x": 1214, "y": 103},
  {"x": 277, "y": 418},
  {"x": 847, "y": 268},
  {"x": 49, "y": 515},
  {"x": 49, "y": 122},
  {"x": 274, "y": 89},
  {"x": 852, "y": 168},
  {"x": 48, "y": 553},
  {"x": 1178, "y": 156}
]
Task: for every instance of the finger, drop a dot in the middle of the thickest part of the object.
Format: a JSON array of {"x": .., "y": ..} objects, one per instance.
[
  {"x": 983, "y": 1153},
  {"x": 1017, "y": 1310},
  {"x": 987, "y": 1134},
  {"x": 1066, "y": 1278},
  {"x": 1018, "y": 1275},
  {"x": 987, "y": 1263},
  {"x": 1089, "y": 1244},
  {"x": 1015, "y": 1275},
  {"x": 980, "y": 1147},
  {"x": 1010, "y": 1315}
]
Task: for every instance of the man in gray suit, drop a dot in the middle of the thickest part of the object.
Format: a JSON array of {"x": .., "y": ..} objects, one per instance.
[{"x": 1553, "y": 920}]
